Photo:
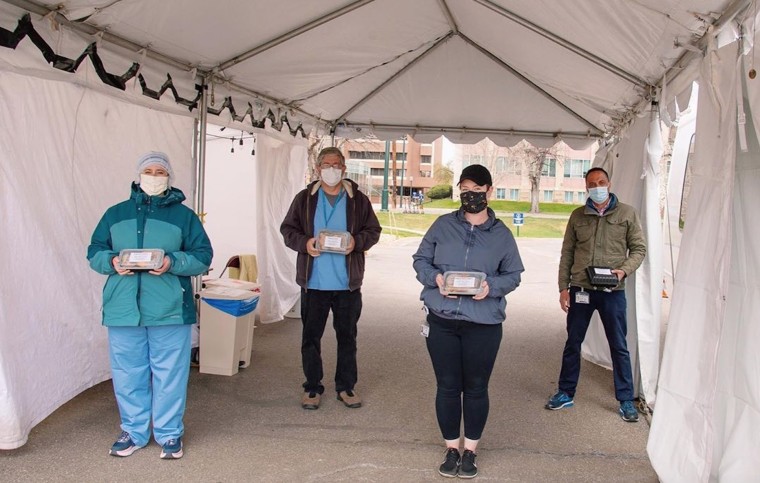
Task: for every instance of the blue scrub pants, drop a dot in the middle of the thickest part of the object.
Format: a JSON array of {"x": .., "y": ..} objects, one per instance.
[
  {"x": 612, "y": 312},
  {"x": 150, "y": 367}
]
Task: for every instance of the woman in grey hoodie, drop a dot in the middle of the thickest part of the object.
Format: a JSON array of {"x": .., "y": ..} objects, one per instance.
[{"x": 465, "y": 331}]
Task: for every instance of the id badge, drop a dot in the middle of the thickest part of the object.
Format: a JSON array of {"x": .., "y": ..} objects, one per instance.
[
  {"x": 425, "y": 330},
  {"x": 582, "y": 297}
]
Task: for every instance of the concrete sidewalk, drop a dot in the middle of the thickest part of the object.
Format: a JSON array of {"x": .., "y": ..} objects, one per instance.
[{"x": 250, "y": 427}]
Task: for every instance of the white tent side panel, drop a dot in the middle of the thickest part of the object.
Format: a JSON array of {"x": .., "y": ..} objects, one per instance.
[
  {"x": 68, "y": 153},
  {"x": 281, "y": 172},
  {"x": 683, "y": 427},
  {"x": 638, "y": 153},
  {"x": 737, "y": 401}
]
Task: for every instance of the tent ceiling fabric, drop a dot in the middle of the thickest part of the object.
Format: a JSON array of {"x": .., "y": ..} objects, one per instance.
[{"x": 470, "y": 68}]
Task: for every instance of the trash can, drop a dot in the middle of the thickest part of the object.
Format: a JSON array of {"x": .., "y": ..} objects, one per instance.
[{"x": 226, "y": 330}]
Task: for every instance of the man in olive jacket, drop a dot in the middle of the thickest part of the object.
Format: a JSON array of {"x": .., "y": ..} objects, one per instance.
[
  {"x": 330, "y": 270},
  {"x": 603, "y": 233}
]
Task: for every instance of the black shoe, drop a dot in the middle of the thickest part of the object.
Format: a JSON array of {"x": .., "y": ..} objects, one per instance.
[
  {"x": 467, "y": 468},
  {"x": 450, "y": 465}
]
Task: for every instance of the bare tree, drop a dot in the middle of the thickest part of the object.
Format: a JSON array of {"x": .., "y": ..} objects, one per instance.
[
  {"x": 534, "y": 159},
  {"x": 316, "y": 144},
  {"x": 493, "y": 157}
]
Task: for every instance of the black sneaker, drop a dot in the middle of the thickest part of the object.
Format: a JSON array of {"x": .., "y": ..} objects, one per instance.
[
  {"x": 467, "y": 468},
  {"x": 450, "y": 465}
]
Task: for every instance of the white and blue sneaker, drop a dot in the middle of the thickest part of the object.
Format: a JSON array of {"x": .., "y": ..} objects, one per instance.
[
  {"x": 628, "y": 412},
  {"x": 172, "y": 449},
  {"x": 124, "y": 445},
  {"x": 559, "y": 401}
]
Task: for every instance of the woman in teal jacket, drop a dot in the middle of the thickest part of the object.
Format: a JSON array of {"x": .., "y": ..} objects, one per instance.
[{"x": 149, "y": 314}]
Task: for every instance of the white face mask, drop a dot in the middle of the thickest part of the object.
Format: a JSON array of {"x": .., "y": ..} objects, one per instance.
[
  {"x": 331, "y": 176},
  {"x": 153, "y": 185},
  {"x": 598, "y": 195}
]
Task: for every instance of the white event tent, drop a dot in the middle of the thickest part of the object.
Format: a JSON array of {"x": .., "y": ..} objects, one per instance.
[{"x": 86, "y": 86}]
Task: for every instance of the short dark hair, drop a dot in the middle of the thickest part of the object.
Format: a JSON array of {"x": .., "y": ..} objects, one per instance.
[
  {"x": 596, "y": 169},
  {"x": 328, "y": 152}
]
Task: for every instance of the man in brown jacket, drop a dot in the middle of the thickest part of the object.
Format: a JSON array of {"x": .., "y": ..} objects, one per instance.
[
  {"x": 604, "y": 233},
  {"x": 330, "y": 224}
]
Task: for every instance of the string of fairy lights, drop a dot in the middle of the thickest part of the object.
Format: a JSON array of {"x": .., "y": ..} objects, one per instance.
[{"x": 239, "y": 140}]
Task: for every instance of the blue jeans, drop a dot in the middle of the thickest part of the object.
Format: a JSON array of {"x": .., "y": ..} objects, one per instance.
[
  {"x": 463, "y": 354},
  {"x": 612, "y": 311},
  {"x": 346, "y": 308},
  {"x": 150, "y": 368}
]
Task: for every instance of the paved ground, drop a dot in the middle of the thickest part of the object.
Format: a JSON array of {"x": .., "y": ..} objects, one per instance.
[{"x": 250, "y": 427}]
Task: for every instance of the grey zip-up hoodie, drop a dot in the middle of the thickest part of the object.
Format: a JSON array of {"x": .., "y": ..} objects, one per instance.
[{"x": 452, "y": 243}]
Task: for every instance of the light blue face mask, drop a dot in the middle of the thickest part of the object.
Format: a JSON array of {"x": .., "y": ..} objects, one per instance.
[{"x": 598, "y": 195}]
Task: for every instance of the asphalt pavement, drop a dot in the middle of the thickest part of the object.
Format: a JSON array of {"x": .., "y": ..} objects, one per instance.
[{"x": 250, "y": 426}]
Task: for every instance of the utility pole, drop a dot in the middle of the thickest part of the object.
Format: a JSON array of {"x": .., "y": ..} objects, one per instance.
[
  {"x": 384, "y": 196},
  {"x": 393, "y": 169},
  {"x": 403, "y": 172}
]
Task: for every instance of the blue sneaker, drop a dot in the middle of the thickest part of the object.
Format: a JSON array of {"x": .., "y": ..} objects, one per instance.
[
  {"x": 172, "y": 449},
  {"x": 124, "y": 445},
  {"x": 559, "y": 401},
  {"x": 628, "y": 412}
]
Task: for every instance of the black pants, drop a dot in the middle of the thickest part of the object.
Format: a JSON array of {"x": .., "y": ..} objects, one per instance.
[
  {"x": 463, "y": 355},
  {"x": 346, "y": 307}
]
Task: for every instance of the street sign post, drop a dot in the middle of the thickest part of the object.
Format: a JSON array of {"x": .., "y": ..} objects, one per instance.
[{"x": 518, "y": 220}]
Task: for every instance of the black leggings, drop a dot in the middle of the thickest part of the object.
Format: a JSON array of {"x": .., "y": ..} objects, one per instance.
[{"x": 463, "y": 355}]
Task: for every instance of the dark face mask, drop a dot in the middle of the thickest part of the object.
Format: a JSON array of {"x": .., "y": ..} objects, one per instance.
[{"x": 473, "y": 201}]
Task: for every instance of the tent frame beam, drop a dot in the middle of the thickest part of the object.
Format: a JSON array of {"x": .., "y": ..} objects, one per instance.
[
  {"x": 202, "y": 74},
  {"x": 88, "y": 29},
  {"x": 686, "y": 58},
  {"x": 292, "y": 34},
  {"x": 527, "y": 81},
  {"x": 566, "y": 44},
  {"x": 413, "y": 129},
  {"x": 390, "y": 79}
]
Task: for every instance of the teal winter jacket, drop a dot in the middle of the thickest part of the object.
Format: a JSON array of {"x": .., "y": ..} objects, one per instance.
[{"x": 145, "y": 221}]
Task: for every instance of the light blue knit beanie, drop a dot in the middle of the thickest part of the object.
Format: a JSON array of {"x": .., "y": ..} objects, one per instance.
[{"x": 154, "y": 158}]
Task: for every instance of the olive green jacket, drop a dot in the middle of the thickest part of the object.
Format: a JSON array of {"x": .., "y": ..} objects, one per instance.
[{"x": 613, "y": 240}]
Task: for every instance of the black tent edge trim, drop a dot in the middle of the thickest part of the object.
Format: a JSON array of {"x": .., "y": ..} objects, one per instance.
[{"x": 25, "y": 28}]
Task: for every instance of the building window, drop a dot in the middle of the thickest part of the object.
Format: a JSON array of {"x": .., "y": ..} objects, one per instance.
[
  {"x": 576, "y": 168},
  {"x": 501, "y": 193},
  {"x": 506, "y": 165},
  {"x": 514, "y": 194},
  {"x": 377, "y": 171},
  {"x": 581, "y": 197},
  {"x": 426, "y": 158},
  {"x": 469, "y": 159},
  {"x": 548, "y": 195},
  {"x": 568, "y": 196},
  {"x": 549, "y": 168},
  {"x": 377, "y": 155}
]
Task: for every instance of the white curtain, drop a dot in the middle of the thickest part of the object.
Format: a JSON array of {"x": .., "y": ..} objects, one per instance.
[
  {"x": 633, "y": 166},
  {"x": 281, "y": 171},
  {"x": 707, "y": 420},
  {"x": 687, "y": 121},
  {"x": 68, "y": 153}
]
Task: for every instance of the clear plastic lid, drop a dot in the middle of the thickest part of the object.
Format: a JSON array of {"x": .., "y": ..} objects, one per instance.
[
  {"x": 462, "y": 283},
  {"x": 141, "y": 258},
  {"x": 333, "y": 241}
]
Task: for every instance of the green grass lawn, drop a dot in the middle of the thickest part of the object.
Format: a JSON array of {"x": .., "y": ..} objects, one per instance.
[
  {"x": 416, "y": 224},
  {"x": 509, "y": 206}
]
